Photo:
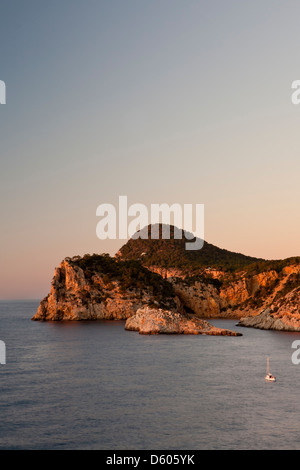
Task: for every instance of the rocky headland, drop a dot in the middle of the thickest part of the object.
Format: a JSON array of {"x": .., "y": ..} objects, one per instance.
[
  {"x": 97, "y": 287},
  {"x": 160, "y": 275}
]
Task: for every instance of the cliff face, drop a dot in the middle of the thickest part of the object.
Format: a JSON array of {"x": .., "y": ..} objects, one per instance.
[
  {"x": 232, "y": 297},
  {"x": 199, "y": 297},
  {"x": 283, "y": 312},
  {"x": 79, "y": 294},
  {"x": 76, "y": 296},
  {"x": 167, "y": 273}
]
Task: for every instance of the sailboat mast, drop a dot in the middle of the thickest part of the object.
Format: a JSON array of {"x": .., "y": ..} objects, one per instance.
[{"x": 268, "y": 365}]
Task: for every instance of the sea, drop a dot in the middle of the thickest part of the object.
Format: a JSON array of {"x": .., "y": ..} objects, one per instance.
[{"x": 94, "y": 385}]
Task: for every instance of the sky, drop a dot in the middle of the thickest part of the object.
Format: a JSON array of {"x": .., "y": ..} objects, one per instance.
[{"x": 164, "y": 101}]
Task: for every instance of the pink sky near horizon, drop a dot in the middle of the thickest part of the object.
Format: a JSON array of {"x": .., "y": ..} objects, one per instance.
[{"x": 165, "y": 102}]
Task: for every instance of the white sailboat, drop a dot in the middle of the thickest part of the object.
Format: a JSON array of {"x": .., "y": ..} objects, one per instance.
[{"x": 269, "y": 377}]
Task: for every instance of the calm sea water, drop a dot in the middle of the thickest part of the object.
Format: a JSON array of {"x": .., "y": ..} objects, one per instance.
[{"x": 96, "y": 386}]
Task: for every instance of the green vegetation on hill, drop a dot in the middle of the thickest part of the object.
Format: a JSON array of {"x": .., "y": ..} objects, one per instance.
[
  {"x": 129, "y": 275},
  {"x": 171, "y": 253},
  {"x": 271, "y": 265}
]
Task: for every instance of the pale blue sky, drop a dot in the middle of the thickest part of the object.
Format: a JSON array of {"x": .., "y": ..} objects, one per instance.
[{"x": 162, "y": 101}]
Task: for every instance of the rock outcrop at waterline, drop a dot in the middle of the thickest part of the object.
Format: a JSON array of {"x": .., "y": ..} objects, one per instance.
[
  {"x": 266, "y": 321},
  {"x": 283, "y": 314},
  {"x": 149, "y": 321}
]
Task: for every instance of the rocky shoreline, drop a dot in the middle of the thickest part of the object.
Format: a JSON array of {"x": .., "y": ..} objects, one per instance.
[{"x": 267, "y": 321}]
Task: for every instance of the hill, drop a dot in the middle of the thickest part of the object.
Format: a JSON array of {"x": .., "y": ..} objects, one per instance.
[{"x": 171, "y": 253}]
